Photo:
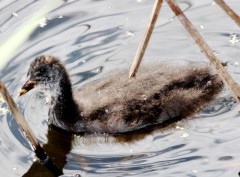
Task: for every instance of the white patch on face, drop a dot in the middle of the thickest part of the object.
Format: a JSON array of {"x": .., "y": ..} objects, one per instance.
[{"x": 51, "y": 91}]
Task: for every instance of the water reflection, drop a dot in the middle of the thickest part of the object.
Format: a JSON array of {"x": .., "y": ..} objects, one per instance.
[{"x": 57, "y": 147}]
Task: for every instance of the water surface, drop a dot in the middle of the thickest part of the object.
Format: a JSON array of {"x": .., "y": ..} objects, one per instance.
[{"x": 95, "y": 38}]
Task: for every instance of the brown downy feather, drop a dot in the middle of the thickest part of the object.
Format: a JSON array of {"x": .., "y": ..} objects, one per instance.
[{"x": 159, "y": 96}]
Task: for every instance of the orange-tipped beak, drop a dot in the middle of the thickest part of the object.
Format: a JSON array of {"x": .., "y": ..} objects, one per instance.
[{"x": 30, "y": 84}]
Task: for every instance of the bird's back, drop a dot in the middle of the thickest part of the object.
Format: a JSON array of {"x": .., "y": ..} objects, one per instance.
[{"x": 159, "y": 96}]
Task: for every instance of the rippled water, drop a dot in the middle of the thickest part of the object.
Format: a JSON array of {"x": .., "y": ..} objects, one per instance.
[{"x": 94, "y": 38}]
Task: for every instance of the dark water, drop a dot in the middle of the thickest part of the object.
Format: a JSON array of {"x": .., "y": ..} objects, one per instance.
[{"x": 94, "y": 38}]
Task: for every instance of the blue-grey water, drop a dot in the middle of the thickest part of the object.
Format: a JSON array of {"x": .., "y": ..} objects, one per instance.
[{"x": 95, "y": 38}]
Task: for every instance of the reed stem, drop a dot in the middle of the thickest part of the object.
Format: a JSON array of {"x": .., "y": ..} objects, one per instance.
[
  {"x": 144, "y": 43},
  {"x": 226, "y": 77},
  {"x": 229, "y": 11},
  {"x": 18, "y": 116}
]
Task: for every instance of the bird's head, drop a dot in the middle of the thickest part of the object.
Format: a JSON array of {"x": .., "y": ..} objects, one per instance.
[{"x": 44, "y": 70}]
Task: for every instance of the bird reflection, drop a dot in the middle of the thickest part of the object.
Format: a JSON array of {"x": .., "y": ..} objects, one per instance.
[
  {"x": 59, "y": 144},
  {"x": 57, "y": 147}
]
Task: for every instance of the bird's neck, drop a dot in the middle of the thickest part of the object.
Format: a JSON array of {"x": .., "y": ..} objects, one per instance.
[{"x": 64, "y": 110}]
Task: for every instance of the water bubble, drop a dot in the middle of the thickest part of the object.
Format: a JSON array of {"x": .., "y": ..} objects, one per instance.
[
  {"x": 234, "y": 38},
  {"x": 236, "y": 64},
  {"x": 179, "y": 128},
  {"x": 14, "y": 168},
  {"x": 171, "y": 19},
  {"x": 130, "y": 33},
  {"x": 194, "y": 171},
  {"x": 185, "y": 135},
  {"x": 60, "y": 16},
  {"x": 98, "y": 70},
  {"x": 77, "y": 175},
  {"x": 42, "y": 22},
  {"x": 215, "y": 53},
  {"x": 15, "y": 14},
  {"x": 202, "y": 26},
  {"x": 140, "y": 1}
]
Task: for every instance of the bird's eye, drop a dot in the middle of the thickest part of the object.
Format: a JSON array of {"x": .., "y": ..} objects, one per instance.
[{"x": 38, "y": 74}]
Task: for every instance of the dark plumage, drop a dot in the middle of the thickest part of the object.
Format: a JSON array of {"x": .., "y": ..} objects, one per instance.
[{"x": 158, "y": 97}]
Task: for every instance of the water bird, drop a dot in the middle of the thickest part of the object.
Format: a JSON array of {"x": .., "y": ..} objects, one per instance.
[{"x": 159, "y": 96}]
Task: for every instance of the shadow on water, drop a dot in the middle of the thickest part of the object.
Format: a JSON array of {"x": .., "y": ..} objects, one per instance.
[
  {"x": 59, "y": 144},
  {"x": 57, "y": 147}
]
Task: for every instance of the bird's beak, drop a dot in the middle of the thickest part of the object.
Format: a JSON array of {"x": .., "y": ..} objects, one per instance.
[{"x": 30, "y": 84}]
